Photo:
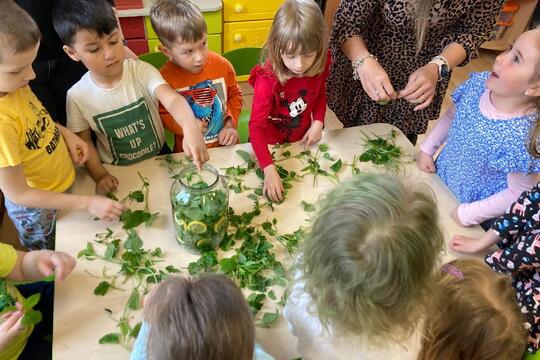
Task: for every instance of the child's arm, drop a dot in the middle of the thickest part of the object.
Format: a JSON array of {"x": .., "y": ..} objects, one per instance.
[
  {"x": 260, "y": 110},
  {"x": 434, "y": 140},
  {"x": 35, "y": 265},
  {"x": 13, "y": 184},
  {"x": 77, "y": 147},
  {"x": 468, "y": 245},
  {"x": 105, "y": 182},
  {"x": 474, "y": 213},
  {"x": 314, "y": 133},
  {"x": 177, "y": 106}
]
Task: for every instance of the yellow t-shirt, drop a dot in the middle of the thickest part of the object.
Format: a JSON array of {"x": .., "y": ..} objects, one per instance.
[
  {"x": 28, "y": 136},
  {"x": 8, "y": 258}
]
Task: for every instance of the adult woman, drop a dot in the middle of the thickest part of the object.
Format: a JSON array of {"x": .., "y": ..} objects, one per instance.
[{"x": 402, "y": 50}]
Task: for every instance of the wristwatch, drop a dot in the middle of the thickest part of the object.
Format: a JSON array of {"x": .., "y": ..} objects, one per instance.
[{"x": 442, "y": 64}]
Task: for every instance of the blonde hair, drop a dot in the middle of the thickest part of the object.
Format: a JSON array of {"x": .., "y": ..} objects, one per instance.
[
  {"x": 474, "y": 315},
  {"x": 370, "y": 255},
  {"x": 177, "y": 19},
  {"x": 422, "y": 12},
  {"x": 534, "y": 146},
  {"x": 203, "y": 318},
  {"x": 298, "y": 26},
  {"x": 18, "y": 31}
]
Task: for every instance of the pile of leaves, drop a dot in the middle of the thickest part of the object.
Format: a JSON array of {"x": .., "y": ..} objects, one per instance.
[{"x": 382, "y": 151}]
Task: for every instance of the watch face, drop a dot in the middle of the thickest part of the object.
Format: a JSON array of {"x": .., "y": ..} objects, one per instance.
[{"x": 444, "y": 71}]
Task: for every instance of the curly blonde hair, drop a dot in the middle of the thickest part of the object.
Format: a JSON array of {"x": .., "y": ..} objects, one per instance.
[
  {"x": 474, "y": 315},
  {"x": 370, "y": 256},
  {"x": 298, "y": 26}
]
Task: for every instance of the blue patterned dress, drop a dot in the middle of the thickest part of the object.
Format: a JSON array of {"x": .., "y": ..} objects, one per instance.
[{"x": 481, "y": 152}]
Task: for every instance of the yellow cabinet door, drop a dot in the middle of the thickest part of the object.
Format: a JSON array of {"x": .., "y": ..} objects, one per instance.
[
  {"x": 245, "y": 34},
  {"x": 242, "y": 10},
  {"x": 214, "y": 44}
]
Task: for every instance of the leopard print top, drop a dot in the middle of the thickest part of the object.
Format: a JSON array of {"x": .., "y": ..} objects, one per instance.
[{"x": 388, "y": 30}]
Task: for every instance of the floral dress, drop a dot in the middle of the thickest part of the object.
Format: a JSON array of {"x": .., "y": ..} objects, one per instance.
[
  {"x": 519, "y": 256},
  {"x": 388, "y": 29}
]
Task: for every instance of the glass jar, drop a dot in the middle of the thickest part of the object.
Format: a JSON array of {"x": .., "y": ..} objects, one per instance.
[{"x": 200, "y": 208}]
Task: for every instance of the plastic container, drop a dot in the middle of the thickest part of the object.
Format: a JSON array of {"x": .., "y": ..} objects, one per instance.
[
  {"x": 506, "y": 18},
  {"x": 200, "y": 208}
]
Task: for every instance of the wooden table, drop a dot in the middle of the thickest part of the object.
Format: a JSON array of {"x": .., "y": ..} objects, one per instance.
[{"x": 79, "y": 317}]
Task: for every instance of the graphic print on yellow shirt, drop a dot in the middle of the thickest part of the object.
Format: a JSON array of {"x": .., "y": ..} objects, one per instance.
[
  {"x": 130, "y": 132},
  {"x": 29, "y": 137}
]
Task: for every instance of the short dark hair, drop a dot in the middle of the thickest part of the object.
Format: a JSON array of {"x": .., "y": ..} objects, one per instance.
[
  {"x": 201, "y": 318},
  {"x": 18, "y": 31},
  {"x": 70, "y": 16}
]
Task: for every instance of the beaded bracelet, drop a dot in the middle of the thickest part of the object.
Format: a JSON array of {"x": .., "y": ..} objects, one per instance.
[{"x": 359, "y": 62}]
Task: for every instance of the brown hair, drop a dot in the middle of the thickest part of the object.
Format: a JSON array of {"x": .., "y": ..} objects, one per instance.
[
  {"x": 177, "y": 19},
  {"x": 203, "y": 318},
  {"x": 474, "y": 316},
  {"x": 18, "y": 31},
  {"x": 534, "y": 146},
  {"x": 422, "y": 12},
  {"x": 298, "y": 26}
]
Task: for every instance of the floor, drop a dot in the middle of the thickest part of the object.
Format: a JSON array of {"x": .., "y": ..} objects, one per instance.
[{"x": 483, "y": 62}]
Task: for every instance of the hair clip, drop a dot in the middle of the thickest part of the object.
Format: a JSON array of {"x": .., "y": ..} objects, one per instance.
[{"x": 452, "y": 270}]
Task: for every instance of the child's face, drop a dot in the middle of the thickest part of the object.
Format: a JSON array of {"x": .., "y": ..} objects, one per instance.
[
  {"x": 103, "y": 56},
  {"x": 514, "y": 70},
  {"x": 16, "y": 70},
  {"x": 298, "y": 63},
  {"x": 189, "y": 56}
]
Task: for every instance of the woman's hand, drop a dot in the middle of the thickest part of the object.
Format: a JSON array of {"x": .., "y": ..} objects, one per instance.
[
  {"x": 421, "y": 86},
  {"x": 375, "y": 81}
]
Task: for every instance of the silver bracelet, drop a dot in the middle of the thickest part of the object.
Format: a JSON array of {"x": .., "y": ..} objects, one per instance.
[{"x": 356, "y": 63}]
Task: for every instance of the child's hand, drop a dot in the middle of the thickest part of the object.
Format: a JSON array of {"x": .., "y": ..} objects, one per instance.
[
  {"x": 313, "y": 135},
  {"x": 228, "y": 135},
  {"x": 425, "y": 162},
  {"x": 78, "y": 148},
  {"x": 467, "y": 245},
  {"x": 203, "y": 126},
  {"x": 194, "y": 146},
  {"x": 10, "y": 328},
  {"x": 61, "y": 263},
  {"x": 272, "y": 187},
  {"x": 106, "y": 183},
  {"x": 454, "y": 215},
  {"x": 104, "y": 208}
]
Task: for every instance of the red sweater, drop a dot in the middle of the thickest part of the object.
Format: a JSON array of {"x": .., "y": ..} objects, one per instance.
[{"x": 283, "y": 113}]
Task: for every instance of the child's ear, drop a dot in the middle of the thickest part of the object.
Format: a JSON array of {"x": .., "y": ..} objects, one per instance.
[
  {"x": 533, "y": 89},
  {"x": 71, "y": 53},
  {"x": 165, "y": 50}
]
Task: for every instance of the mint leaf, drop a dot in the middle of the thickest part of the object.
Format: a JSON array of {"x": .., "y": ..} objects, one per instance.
[
  {"x": 268, "y": 319},
  {"x": 308, "y": 207},
  {"x": 31, "y": 317},
  {"x": 244, "y": 155},
  {"x": 102, "y": 288},
  {"x": 112, "y": 338}
]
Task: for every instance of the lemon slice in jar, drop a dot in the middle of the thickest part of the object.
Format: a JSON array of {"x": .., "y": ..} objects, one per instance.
[
  {"x": 197, "y": 227},
  {"x": 201, "y": 242},
  {"x": 218, "y": 226}
]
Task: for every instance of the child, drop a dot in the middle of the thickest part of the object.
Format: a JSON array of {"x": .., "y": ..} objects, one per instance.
[
  {"x": 205, "y": 79},
  {"x": 365, "y": 271},
  {"x": 27, "y": 342},
  {"x": 35, "y": 162},
  {"x": 473, "y": 315},
  {"x": 203, "y": 318},
  {"x": 123, "y": 107},
  {"x": 289, "y": 101},
  {"x": 485, "y": 161},
  {"x": 517, "y": 236}
]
